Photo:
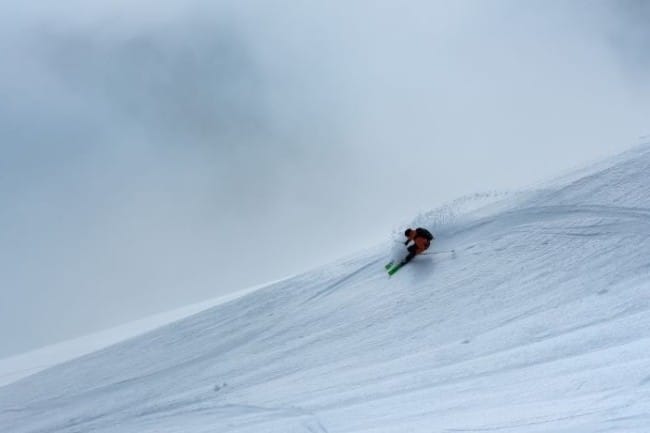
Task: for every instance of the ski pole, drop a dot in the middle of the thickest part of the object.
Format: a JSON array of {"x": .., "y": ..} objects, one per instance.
[{"x": 439, "y": 252}]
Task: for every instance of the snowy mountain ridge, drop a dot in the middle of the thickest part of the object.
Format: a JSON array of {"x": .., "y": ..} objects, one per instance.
[
  {"x": 25, "y": 364},
  {"x": 539, "y": 324}
]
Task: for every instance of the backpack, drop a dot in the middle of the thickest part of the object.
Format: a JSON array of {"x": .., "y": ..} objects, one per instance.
[{"x": 424, "y": 233}]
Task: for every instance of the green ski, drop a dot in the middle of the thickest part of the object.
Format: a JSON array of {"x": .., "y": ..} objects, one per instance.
[{"x": 394, "y": 268}]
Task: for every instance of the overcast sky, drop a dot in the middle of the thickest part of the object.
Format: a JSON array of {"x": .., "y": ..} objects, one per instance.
[{"x": 157, "y": 153}]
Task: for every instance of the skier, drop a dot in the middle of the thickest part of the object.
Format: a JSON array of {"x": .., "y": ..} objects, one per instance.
[{"x": 418, "y": 241}]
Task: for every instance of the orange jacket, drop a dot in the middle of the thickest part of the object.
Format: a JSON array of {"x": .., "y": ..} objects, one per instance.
[{"x": 421, "y": 242}]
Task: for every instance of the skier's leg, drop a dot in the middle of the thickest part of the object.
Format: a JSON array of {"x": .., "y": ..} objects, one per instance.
[{"x": 412, "y": 253}]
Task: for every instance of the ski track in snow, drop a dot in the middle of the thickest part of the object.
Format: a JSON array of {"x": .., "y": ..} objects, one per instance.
[{"x": 539, "y": 323}]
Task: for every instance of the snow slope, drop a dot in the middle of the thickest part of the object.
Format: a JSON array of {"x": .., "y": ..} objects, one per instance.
[
  {"x": 540, "y": 324},
  {"x": 26, "y": 364}
]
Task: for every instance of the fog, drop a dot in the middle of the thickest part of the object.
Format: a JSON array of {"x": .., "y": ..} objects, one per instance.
[{"x": 154, "y": 154}]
